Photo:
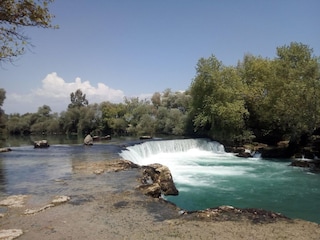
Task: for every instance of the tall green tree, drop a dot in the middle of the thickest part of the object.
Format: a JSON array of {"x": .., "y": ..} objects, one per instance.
[
  {"x": 78, "y": 99},
  {"x": 112, "y": 118},
  {"x": 298, "y": 90},
  {"x": 218, "y": 105},
  {"x": 2, "y": 114},
  {"x": 139, "y": 116},
  {"x": 89, "y": 120},
  {"x": 75, "y": 119},
  {"x": 258, "y": 75},
  {"x": 69, "y": 120},
  {"x": 171, "y": 112},
  {"x": 43, "y": 122},
  {"x": 15, "y": 15}
]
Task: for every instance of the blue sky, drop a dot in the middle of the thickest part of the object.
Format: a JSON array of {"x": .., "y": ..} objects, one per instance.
[{"x": 116, "y": 48}]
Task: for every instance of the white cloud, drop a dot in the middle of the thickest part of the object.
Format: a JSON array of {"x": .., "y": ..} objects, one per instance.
[{"x": 55, "y": 92}]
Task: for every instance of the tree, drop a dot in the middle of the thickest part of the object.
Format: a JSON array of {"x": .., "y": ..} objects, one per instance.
[
  {"x": 171, "y": 114},
  {"x": 174, "y": 122},
  {"x": 88, "y": 120},
  {"x": 138, "y": 113},
  {"x": 44, "y": 111},
  {"x": 2, "y": 96},
  {"x": 298, "y": 76},
  {"x": 112, "y": 118},
  {"x": 257, "y": 74},
  {"x": 156, "y": 99},
  {"x": 218, "y": 105},
  {"x": 69, "y": 120},
  {"x": 43, "y": 122},
  {"x": 16, "y": 15},
  {"x": 161, "y": 120},
  {"x": 146, "y": 125},
  {"x": 20, "y": 124},
  {"x": 78, "y": 99},
  {"x": 283, "y": 93},
  {"x": 2, "y": 115}
]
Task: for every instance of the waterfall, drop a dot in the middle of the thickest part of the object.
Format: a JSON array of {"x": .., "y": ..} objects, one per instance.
[
  {"x": 206, "y": 176},
  {"x": 145, "y": 150}
]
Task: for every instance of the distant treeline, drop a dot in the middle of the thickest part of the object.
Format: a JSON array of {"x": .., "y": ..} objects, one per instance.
[{"x": 259, "y": 99}]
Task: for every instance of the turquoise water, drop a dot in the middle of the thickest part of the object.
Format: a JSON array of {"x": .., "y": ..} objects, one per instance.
[{"x": 206, "y": 177}]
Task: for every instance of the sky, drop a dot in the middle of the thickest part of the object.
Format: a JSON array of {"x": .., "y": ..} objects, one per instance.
[{"x": 112, "y": 49}]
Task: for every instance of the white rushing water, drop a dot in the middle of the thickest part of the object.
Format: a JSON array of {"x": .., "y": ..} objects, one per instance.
[
  {"x": 206, "y": 176},
  {"x": 189, "y": 160}
]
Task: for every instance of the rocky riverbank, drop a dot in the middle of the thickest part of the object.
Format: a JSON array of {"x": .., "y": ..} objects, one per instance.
[{"x": 116, "y": 200}]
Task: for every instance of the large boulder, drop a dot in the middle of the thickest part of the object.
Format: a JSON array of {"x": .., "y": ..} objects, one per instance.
[
  {"x": 88, "y": 140},
  {"x": 312, "y": 165},
  {"x": 156, "y": 180},
  {"x": 41, "y": 144},
  {"x": 5, "y": 149}
]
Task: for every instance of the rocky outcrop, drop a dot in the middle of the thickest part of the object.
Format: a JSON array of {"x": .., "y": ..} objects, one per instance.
[
  {"x": 56, "y": 201},
  {"x": 41, "y": 144},
  {"x": 157, "y": 180},
  {"x": 247, "y": 150},
  {"x": 88, "y": 140},
  {"x": 312, "y": 165},
  {"x": 14, "y": 201},
  {"x": 100, "y": 167},
  {"x": 246, "y": 153},
  {"x": 230, "y": 213},
  {"x": 9, "y": 234}
]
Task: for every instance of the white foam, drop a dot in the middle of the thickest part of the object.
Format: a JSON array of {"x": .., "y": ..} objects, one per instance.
[{"x": 191, "y": 162}]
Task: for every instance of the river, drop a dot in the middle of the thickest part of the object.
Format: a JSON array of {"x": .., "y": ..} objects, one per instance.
[{"x": 205, "y": 175}]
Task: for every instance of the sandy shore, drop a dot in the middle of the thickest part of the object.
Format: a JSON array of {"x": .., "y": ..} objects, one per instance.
[{"x": 105, "y": 204}]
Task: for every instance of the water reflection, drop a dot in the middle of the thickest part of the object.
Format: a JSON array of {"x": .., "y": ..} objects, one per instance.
[
  {"x": 26, "y": 170},
  {"x": 18, "y": 141},
  {"x": 2, "y": 178}
]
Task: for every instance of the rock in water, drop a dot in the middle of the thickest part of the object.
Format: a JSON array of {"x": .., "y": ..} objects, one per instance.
[
  {"x": 88, "y": 140},
  {"x": 41, "y": 144},
  {"x": 5, "y": 150},
  {"x": 157, "y": 180}
]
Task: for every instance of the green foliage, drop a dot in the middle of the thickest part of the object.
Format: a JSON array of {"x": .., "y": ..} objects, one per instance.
[
  {"x": 138, "y": 112},
  {"x": 282, "y": 100},
  {"x": 258, "y": 75},
  {"x": 175, "y": 123},
  {"x": 43, "y": 122},
  {"x": 272, "y": 99},
  {"x": 112, "y": 118},
  {"x": 156, "y": 99},
  {"x": 263, "y": 99},
  {"x": 298, "y": 75},
  {"x": 16, "y": 15},
  {"x": 218, "y": 104},
  {"x": 78, "y": 99},
  {"x": 88, "y": 121},
  {"x": 2, "y": 114},
  {"x": 2, "y": 96}
]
